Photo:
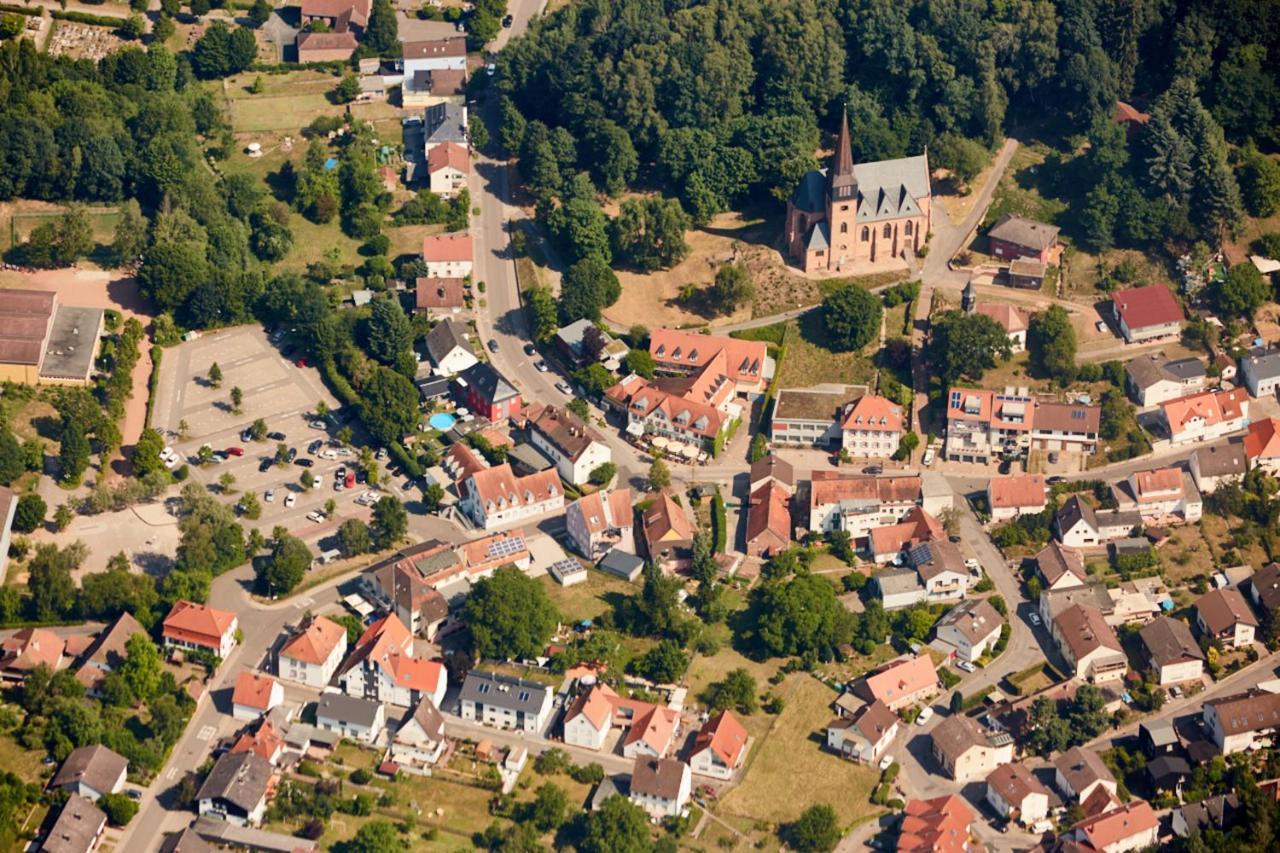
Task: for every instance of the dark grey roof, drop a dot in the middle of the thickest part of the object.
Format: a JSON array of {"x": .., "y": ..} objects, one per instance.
[
  {"x": 529, "y": 457},
  {"x": 1217, "y": 461},
  {"x": 1169, "y": 641},
  {"x": 1168, "y": 770},
  {"x": 1186, "y": 368},
  {"x": 1214, "y": 813},
  {"x": 819, "y": 237},
  {"x": 239, "y": 778},
  {"x": 444, "y": 338},
  {"x": 1075, "y": 511},
  {"x": 1262, "y": 364},
  {"x": 488, "y": 382},
  {"x": 811, "y": 193},
  {"x": 896, "y": 581},
  {"x": 347, "y": 709},
  {"x": 433, "y": 387},
  {"x": 95, "y": 766},
  {"x": 1146, "y": 370},
  {"x": 73, "y": 340},
  {"x": 574, "y": 335},
  {"x": 773, "y": 466},
  {"x": 1117, "y": 518},
  {"x": 76, "y": 828},
  {"x": 1024, "y": 232},
  {"x": 504, "y": 691},
  {"x": 445, "y": 122},
  {"x": 621, "y": 564},
  {"x": 187, "y": 841},
  {"x": 428, "y": 717}
]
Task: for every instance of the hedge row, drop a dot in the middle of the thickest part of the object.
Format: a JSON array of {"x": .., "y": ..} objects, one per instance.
[
  {"x": 86, "y": 18},
  {"x": 156, "y": 353},
  {"x": 37, "y": 12}
]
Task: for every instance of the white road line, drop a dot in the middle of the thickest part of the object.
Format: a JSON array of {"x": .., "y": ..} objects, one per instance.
[
  {"x": 172, "y": 774},
  {"x": 206, "y": 733}
]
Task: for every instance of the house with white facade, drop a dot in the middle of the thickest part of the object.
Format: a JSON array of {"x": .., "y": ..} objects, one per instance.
[
  {"x": 1218, "y": 464},
  {"x": 1172, "y": 654},
  {"x": 1225, "y": 616},
  {"x": 1242, "y": 721},
  {"x": 1019, "y": 494},
  {"x": 1153, "y": 379},
  {"x": 1079, "y": 771},
  {"x": 255, "y": 695},
  {"x": 575, "y": 448},
  {"x": 859, "y": 503},
  {"x": 865, "y": 736},
  {"x": 1132, "y": 826},
  {"x": 448, "y": 348},
  {"x": 600, "y": 522},
  {"x": 419, "y": 739},
  {"x": 1160, "y": 496},
  {"x": 382, "y": 667},
  {"x": 1147, "y": 313},
  {"x": 1060, "y": 567},
  {"x": 1260, "y": 372},
  {"x": 872, "y": 427},
  {"x": 92, "y": 772},
  {"x": 312, "y": 654},
  {"x": 1262, "y": 445},
  {"x": 661, "y": 786},
  {"x": 971, "y": 628},
  {"x": 494, "y": 497},
  {"x": 351, "y": 717},
  {"x": 1017, "y": 795},
  {"x": 941, "y": 568},
  {"x": 447, "y": 255},
  {"x": 1089, "y": 644},
  {"x": 1206, "y": 416},
  {"x": 719, "y": 748},
  {"x": 505, "y": 702},
  {"x": 236, "y": 789},
  {"x": 966, "y": 750},
  {"x": 200, "y": 628}
]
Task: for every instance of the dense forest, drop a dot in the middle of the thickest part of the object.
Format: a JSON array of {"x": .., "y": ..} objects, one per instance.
[{"x": 720, "y": 103}]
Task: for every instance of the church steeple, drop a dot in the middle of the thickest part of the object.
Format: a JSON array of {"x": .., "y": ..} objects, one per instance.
[{"x": 841, "y": 181}]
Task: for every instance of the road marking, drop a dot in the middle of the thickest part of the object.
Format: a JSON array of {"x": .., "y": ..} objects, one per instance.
[
  {"x": 206, "y": 733},
  {"x": 172, "y": 774}
]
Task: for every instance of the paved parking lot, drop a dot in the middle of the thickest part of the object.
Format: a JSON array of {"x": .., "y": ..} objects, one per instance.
[{"x": 274, "y": 389}]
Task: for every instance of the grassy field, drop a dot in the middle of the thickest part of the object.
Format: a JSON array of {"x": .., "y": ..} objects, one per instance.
[
  {"x": 587, "y": 600},
  {"x": 809, "y": 361},
  {"x": 290, "y": 101},
  {"x": 787, "y": 770},
  {"x": 24, "y": 762},
  {"x": 18, "y": 218}
]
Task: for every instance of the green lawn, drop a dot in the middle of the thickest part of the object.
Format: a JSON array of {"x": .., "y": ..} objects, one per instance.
[
  {"x": 24, "y": 762},
  {"x": 809, "y": 361},
  {"x": 787, "y": 770},
  {"x": 587, "y": 600}
]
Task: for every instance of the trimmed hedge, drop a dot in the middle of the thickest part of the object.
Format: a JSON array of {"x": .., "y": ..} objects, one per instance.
[
  {"x": 719, "y": 522},
  {"x": 402, "y": 456},
  {"x": 156, "y": 354},
  {"x": 30, "y": 12},
  {"x": 86, "y": 18}
]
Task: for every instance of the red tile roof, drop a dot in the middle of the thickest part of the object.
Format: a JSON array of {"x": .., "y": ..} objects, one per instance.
[
  {"x": 744, "y": 360},
  {"x": 1263, "y": 439},
  {"x": 451, "y": 155},
  {"x": 253, "y": 690},
  {"x": 769, "y": 515},
  {"x": 1155, "y": 484},
  {"x": 1118, "y": 824},
  {"x": 314, "y": 643},
  {"x": 1018, "y": 491},
  {"x": 1151, "y": 305},
  {"x": 1212, "y": 408},
  {"x": 433, "y": 292},
  {"x": 447, "y": 247},
  {"x": 916, "y": 527},
  {"x": 875, "y": 413},
  {"x": 724, "y": 736},
  {"x": 902, "y": 679},
  {"x": 500, "y": 487},
  {"x": 264, "y": 742},
  {"x": 31, "y": 647},
  {"x": 940, "y": 825},
  {"x": 198, "y": 624}
]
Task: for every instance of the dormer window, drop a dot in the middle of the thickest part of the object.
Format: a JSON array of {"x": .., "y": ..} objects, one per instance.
[{"x": 675, "y": 353}]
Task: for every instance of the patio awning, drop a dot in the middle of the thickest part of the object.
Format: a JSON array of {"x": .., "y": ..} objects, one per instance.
[
  {"x": 635, "y": 428},
  {"x": 660, "y": 442},
  {"x": 689, "y": 451}
]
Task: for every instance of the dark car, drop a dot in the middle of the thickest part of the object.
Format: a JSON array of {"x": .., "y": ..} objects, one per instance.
[
  {"x": 1056, "y": 478},
  {"x": 507, "y": 21},
  {"x": 293, "y": 453},
  {"x": 530, "y": 349},
  {"x": 304, "y": 462},
  {"x": 492, "y": 345},
  {"x": 362, "y": 476},
  {"x": 265, "y": 464},
  {"x": 276, "y": 436},
  {"x": 314, "y": 447},
  {"x": 873, "y": 469},
  {"x": 246, "y": 435}
]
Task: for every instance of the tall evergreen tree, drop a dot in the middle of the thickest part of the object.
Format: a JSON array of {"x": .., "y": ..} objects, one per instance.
[{"x": 382, "y": 35}]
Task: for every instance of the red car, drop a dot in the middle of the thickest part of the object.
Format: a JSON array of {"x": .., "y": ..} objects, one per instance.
[
  {"x": 302, "y": 362},
  {"x": 234, "y": 451},
  {"x": 351, "y": 478}
]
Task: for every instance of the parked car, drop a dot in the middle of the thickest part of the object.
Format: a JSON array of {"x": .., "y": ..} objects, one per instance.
[
  {"x": 317, "y": 425},
  {"x": 886, "y": 762},
  {"x": 966, "y": 666},
  {"x": 304, "y": 462},
  {"x": 290, "y": 499},
  {"x": 873, "y": 469},
  {"x": 564, "y": 388},
  {"x": 276, "y": 436},
  {"x": 246, "y": 434},
  {"x": 315, "y": 515},
  {"x": 507, "y": 21},
  {"x": 928, "y": 457},
  {"x": 530, "y": 349},
  {"x": 234, "y": 451},
  {"x": 265, "y": 465},
  {"x": 1033, "y": 618},
  {"x": 492, "y": 345},
  {"x": 350, "y": 480},
  {"x": 269, "y": 495},
  {"x": 541, "y": 366},
  {"x": 293, "y": 453},
  {"x": 926, "y": 714},
  {"x": 314, "y": 447}
]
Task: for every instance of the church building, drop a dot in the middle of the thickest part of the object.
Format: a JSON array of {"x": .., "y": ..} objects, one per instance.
[{"x": 864, "y": 215}]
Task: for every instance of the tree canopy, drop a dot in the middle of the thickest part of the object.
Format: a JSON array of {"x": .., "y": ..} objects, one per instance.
[
  {"x": 509, "y": 616},
  {"x": 852, "y": 318},
  {"x": 964, "y": 346}
]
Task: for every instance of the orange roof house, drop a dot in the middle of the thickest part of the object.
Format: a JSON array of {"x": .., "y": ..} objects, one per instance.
[
  {"x": 769, "y": 520},
  {"x": 448, "y": 155},
  {"x": 1262, "y": 443},
  {"x": 314, "y": 643},
  {"x": 720, "y": 746},
  {"x": 901, "y": 683},
  {"x": 916, "y": 526},
  {"x": 873, "y": 412},
  {"x": 254, "y": 695},
  {"x": 743, "y": 362},
  {"x": 1130, "y": 827},
  {"x": 940, "y": 825},
  {"x": 1014, "y": 495},
  {"x": 265, "y": 741},
  {"x": 28, "y": 649},
  {"x": 1206, "y": 415},
  {"x": 195, "y": 626}
]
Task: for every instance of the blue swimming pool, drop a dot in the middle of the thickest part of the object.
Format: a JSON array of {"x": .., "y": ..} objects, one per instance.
[{"x": 442, "y": 421}]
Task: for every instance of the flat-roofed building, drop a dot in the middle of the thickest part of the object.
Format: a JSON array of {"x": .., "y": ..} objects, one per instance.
[{"x": 44, "y": 342}]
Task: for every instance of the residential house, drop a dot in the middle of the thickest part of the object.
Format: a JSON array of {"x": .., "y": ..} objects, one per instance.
[
  {"x": 254, "y": 695},
  {"x": 1167, "y": 774},
  {"x": 382, "y": 667},
  {"x": 1078, "y": 772},
  {"x": 769, "y": 519},
  {"x": 419, "y": 739},
  {"x": 865, "y": 736},
  {"x": 439, "y": 295},
  {"x": 1093, "y": 595},
  {"x": 200, "y": 628},
  {"x": 1260, "y": 371},
  {"x": 487, "y": 393},
  {"x": 939, "y": 825},
  {"x": 667, "y": 532},
  {"x": 448, "y": 168},
  {"x": 600, "y": 522},
  {"x": 771, "y": 467},
  {"x": 1060, "y": 567},
  {"x": 342, "y": 16},
  {"x": 408, "y": 587},
  {"x": 91, "y": 771},
  {"x": 448, "y": 348},
  {"x": 888, "y": 543},
  {"x": 1153, "y": 379},
  {"x": 589, "y": 720},
  {"x": 425, "y": 62},
  {"x": 325, "y": 47},
  {"x": 351, "y": 717},
  {"x": 444, "y": 122},
  {"x": 941, "y": 567},
  {"x": 1133, "y": 826},
  {"x": 858, "y": 503},
  {"x": 745, "y": 364},
  {"x": 1009, "y": 317},
  {"x": 266, "y": 740},
  {"x": 1264, "y": 588},
  {"x": 1138, "y": 601},
  {"x": 971, "y": 628},
  {"x": 26, "y": 649},
  {"x": 583, "y": 341},
  {"x": 1014, "y": 237},
  {"x": 431, "y": 87},
  {"x": 1069, "y": 427},
  {"x": 236, "y": 789},
  {"x": 1159, "y": 737},
  {"x": 864, "y": 214},
  {"x": 447, "y": 255},
  {"x": 1215, "y": 465},
  {"x": 496, "y": 496},
  {"x": 1012, "y": 496},
  {"x": 1147, "y": 313},
  {"x": 1206, "y": 416},
  {"x": 1262, "y": 445},
  {"x": 871, "y": 427},
  {"x": 966, "y": 750},
  {"x": 1016, "y": 794},
  {"x": 1219, "y": 812},
  {"x": 719, "y": 748},
  {"x": 1224, "y": 615},
  {"x": 108, "y": 651},
  {"x": 898, "y": 588},
  {"x": 1089, "y": 644},
  {"x": 1171, "y": 651},
  {"x": 1243, "y": 720},
  {"x": 575, "y": 448},
  {"x": 811, "y": 417},
  {"x": 505, "y": 702},
  {"x": 78, "y": 829},
  {"x": 900, "y": 684},
  {"x": 1026, "y": 273},
  {"x": 312, "y": 654},
  {"x": 986, "y": 425},
  {"x": 597, "y": 710},
  {"x": 660, "y": 786},
  {"x": 1160, "y": 495},
  {"x": 1078, "y": 525},
  {"x": 699, "y": 413}
]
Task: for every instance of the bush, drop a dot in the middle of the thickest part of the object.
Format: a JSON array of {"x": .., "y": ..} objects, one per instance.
[{"x": 360, "y": 776}]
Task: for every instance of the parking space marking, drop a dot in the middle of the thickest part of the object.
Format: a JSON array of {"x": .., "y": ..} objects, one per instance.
[
  {"x": 206, "y": 733},
  {"x": 172, "y": 774}
]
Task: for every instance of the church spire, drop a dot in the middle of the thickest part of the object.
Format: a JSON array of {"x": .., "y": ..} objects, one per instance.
[{"x": 843, "y": 182}]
